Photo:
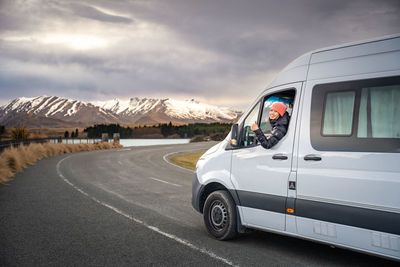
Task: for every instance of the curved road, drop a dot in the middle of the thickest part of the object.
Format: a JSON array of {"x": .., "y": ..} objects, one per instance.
[{"x": 130, "y": 207}]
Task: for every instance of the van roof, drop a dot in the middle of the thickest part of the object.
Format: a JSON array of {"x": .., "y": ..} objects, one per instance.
[
  {"x": 297, "y": 70},
  {"x": 378, "y": 39}
]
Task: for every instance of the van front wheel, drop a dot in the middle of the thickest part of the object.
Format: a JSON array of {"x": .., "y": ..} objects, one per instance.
[{"x": 220, "y": 215}]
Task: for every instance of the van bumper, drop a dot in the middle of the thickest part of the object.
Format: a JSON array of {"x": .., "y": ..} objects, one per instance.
[{"x": 197, "y": 188}]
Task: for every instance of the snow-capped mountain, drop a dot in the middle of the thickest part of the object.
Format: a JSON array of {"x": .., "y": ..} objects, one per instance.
[
  {"x": 52, "y": 107},
  {"x": 132, "y": 111},
  {"x": 178, "y": 110}
]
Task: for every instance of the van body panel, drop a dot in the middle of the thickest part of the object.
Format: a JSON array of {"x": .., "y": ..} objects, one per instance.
[
  {"x": 296, "y": 71},
  {"x": 355, "y": 65},
  {"x": 260, "y": 218},
  {"x": 350, "y": 191},
  {"x": 215, "y": 166},
  {"x": 261, "y": 182},
  {"x": 251, "y": 180},
  {"x": 372, "y": 219},
  {"x": 371, "y": 57},
  {"x": 356, "y": 50},
  {"x": 379, "y": 243}
]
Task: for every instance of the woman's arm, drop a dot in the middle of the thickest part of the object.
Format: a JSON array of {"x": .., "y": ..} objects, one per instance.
[{"x": 264, "y": 141}]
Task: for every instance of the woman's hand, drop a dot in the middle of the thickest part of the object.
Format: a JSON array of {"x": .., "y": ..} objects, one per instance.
[{"x": 254, "y": 126}]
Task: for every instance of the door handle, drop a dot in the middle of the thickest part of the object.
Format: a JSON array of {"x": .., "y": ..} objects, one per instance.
[
  {"x": 312, "y": 157},
  {"x": 280, "y": 156}
]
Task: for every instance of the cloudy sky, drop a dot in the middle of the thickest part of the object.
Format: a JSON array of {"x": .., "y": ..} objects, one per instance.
[{"x": 221, "y": 52}]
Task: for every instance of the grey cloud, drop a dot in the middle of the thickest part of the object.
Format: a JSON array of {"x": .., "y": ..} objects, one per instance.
[
  {"x": 9, "y": 22},
  {"x": 93, "y": 13},
  {"x": 311, "y": 24},
  {"x": 29, "y": 85}
]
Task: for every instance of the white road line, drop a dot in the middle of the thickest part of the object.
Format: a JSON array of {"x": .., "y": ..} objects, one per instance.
[
  {"x": 167, "y": 161},
  {"x": 162, "y": 181},
  {"x": 153, "y": 228}
]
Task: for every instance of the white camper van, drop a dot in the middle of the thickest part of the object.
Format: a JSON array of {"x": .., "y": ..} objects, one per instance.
[{"x": 335, "y": 176}]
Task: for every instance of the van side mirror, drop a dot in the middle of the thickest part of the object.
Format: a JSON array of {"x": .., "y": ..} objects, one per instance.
[{"x": 234, "y": 134}]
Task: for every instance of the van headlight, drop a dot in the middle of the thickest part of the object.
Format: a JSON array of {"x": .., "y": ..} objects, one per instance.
[{"x": 200, "y": 162}]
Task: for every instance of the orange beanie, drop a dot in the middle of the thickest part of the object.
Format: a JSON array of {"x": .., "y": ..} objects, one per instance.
[{"x": 280, "y": 107}]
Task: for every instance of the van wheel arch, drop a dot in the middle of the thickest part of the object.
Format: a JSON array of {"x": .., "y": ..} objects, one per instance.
[{"x": 208, "y": 189}]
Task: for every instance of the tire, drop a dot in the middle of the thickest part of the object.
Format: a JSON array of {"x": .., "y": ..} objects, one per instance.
[{"x": 220, "y": 215}]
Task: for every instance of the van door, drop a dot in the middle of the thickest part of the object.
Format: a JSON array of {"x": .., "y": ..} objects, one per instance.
[
  {"x": 348, "y": 177},
  {"x": 260, "y": 175}
]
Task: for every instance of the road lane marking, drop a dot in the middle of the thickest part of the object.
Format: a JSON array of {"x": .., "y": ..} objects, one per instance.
[
  {"x": 153, "y": 228},
  {"x": 167, "y": 161},
  {"x": 124, "y": 149},
  {"x": 162, "y": 181}
]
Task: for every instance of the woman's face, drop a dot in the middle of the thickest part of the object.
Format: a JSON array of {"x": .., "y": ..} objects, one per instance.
[{"x": 273, "y": 114}]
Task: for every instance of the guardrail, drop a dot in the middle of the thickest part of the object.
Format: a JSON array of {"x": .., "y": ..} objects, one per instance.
[{"x": 16, "y": 143}]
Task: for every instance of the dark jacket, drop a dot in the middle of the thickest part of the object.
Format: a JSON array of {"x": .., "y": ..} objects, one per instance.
[{"x": 279, "y": 129}]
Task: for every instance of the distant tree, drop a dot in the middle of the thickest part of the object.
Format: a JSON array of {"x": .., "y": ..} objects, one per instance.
[
  {"x": 66, "y": 134},
  {"x": 96, "y": 130},
  {"x": 19, "y": 133},
  {"x": 76, "y": 133},
  {"x": 2, "y": 130}
]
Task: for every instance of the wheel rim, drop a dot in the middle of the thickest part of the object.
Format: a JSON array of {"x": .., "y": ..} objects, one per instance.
[{"x": 218, "y": 215}]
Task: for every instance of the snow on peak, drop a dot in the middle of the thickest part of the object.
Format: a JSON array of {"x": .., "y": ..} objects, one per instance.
[
  {"x": 18, "y": 102},
  {"x": 137, "y": 105},
  {"x": 193, "y": 101},
  {"x": 191, "y": 109},
  {"x": 46, "y": 105},
  {"x": 115, "y": 105}
]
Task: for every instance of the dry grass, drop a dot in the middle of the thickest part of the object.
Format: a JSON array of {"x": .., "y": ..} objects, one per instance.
[
  {"x": 37, "y": 136},
  {"x": 14, "y": 160},
  {"x": 188, "y": 160},
  {"x": 37, "y": 133}
]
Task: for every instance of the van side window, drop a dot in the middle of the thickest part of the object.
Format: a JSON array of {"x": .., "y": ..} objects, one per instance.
[
  {"x": 248, "y": 136},
  {"x": 286, "y": 97},
  {"x": 361, "y": 115},
  {"x": 338, "y": 113},
  {"x": 379, "y": 112}
]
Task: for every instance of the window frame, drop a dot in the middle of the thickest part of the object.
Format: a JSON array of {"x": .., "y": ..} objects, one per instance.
[
  {"x": 348, "y": 143},
  {"x": 324, "y": 109},
  {"x": 260, "y": 102},
  {"x": 241, "y": 126}
]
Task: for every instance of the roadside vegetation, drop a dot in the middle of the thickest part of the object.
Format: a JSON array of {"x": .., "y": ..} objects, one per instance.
[
  {"x": 19, "y": 133},
  {"x": 188, "y": 160},
  {"x": 2, "y": 131},
  {"x": 216, "y": 130},
  {"x": 196, "y": 132},
  {"x": 14, "y": 159}
]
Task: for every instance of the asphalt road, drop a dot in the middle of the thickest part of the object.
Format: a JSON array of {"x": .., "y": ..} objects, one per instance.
[{"x": 130, "y": 207}]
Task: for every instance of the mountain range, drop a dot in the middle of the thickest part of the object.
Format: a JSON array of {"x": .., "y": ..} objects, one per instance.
[{"x": 53, "y": 112}]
